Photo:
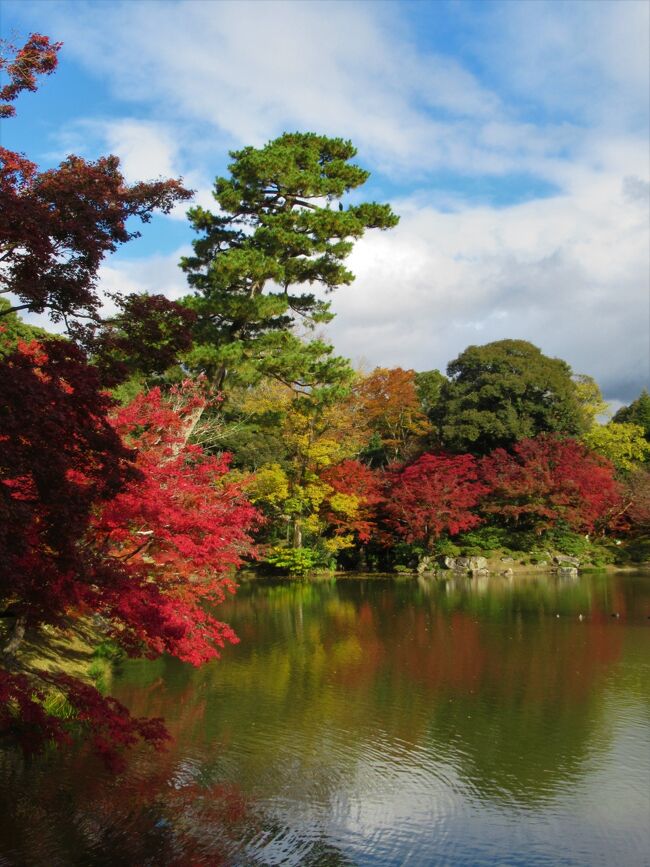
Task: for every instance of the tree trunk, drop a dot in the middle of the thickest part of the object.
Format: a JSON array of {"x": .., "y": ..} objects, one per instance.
[
  {"x": 297, "y": 534},
  {"x": 15, "y": 640}
]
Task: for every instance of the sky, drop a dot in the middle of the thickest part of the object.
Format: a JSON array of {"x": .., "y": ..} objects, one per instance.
[{"x": 512, "y": 138}]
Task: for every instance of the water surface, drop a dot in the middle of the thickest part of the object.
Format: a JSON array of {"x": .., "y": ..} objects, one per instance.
[{"x": 375, "y": 721}]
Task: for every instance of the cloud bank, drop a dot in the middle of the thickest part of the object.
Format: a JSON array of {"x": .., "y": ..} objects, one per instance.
[{"x": 547, "y": 101}]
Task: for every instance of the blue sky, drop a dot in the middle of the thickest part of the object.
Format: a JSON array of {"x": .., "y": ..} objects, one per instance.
[{"x": 511, "y": 137}]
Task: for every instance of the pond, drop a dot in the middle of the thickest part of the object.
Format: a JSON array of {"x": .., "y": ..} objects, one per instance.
[{"x": 375, "y": 721}]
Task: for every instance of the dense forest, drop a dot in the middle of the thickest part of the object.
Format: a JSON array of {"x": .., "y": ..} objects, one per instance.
[{"x": 149, "y": 453}]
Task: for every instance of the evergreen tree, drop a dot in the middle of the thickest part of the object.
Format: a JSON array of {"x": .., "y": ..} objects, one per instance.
[
  {"x": 280, "y": 225},
  {"x": 504, "y": 392}
]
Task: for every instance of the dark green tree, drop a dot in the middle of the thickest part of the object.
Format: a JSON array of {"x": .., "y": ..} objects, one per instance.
[
  {"x": 503, "y": 392},
  {"x": 280, "y": 227},
  {"x": 638, "y": 412}
]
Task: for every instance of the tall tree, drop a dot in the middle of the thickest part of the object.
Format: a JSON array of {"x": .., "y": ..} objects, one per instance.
[
  {"x": 503, "y": 392},
  {"x": 280, "y": 226}
]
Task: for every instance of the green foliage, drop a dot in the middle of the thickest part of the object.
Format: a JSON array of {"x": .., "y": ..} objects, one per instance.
[
  {"x": 483, "y": 540},
  {"x": 56, "y": 704},
  {"x": 13, "y": 329},
  {"x": 503, "y": 392},
  {"x": 444, "y": 547},
  {"x": 563, "y": 540},
  {"x": 297, "y": 561},
  {"x": 428, "y": 386},
  {"x": 638, "y": 412},
  {"x": 633, "y": 551},
  {"x": 273, "y": 233}
]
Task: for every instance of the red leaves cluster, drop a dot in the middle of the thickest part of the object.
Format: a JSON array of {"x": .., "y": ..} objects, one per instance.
[
  {"x": 353, "y": 477},
  {"x": 60, "y": 457},
  {"x": 147, "y": 335},
  {"x": 88, "y": 525},
  {"x": 38, "y": 56},
  {"x": 435, "y": 494},
  {"x": 111, "y": 728},
  {"x": 56, "y": 226},
  {"x": 546, "y": 480},
  {"x": 181, "y": 529}
]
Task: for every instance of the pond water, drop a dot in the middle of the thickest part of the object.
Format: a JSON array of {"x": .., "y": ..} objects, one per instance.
[{"x": 375, "y": 721}]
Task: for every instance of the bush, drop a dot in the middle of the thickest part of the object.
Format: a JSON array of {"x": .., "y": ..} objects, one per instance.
[
  {"x": 446, "y": 548},
  {"x": 483, "y": 540},
  {"x": 297, "y": 561}
]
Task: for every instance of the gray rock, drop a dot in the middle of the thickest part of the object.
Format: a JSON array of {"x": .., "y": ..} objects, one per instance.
[
  {"x": 480, "y": 573},
  {"x": 565, "y": 560},
  {"x": 508, "y": 573},
  {"x": 426, "y": 565},
  {"x": 507, "y": 560},
  {"x": 465, "y": 564}
]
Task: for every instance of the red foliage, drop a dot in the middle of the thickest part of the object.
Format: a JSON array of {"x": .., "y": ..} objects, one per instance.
[
  {"x": 110, "y": 725},
  {"x": 38, "y": 56},
  {"x": 546, "y": 480},
  {"x": 87, "y": 527},
  {"x": 357, "y": 479},
  {"x": 434, "y": 495},
  {"x": 56, "y": 226},
  {"x": 59, "y": 458},
  {"x": 147, "y": 335},
  {"x": 180, "y": 529}
]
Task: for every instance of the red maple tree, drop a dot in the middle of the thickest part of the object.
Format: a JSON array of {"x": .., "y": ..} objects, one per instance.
[
  {"x": 56, "y": 226},
  {"x": 435, "y": 494},
  {"x": 546, "y": 480},
  {"x": 353, "y": 478},
  {"x": 142, "y": 538}
]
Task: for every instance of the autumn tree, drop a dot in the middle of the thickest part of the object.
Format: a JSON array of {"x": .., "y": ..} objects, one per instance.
[
  {"x": 389, "y": 401},
  {"x": 57, "y": 225},
  {"x": 141, "y": 539},
  {"x": 622, "y": 443},
  {"x": 503, "y": 392},
  {"x": 546, "y": 481},
  {"x": 435, "y": 494},
  {"x": 350, "y": 506},
  {"x": 141, "y": 535},
  {"x": 280, "y": 227}
]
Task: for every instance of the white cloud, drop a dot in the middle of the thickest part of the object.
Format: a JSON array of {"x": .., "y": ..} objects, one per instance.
[
  {"x": 568, "y": 273},
  {"x": 557, "y": 91},
  {"x": 348, "y": 69},
  {"x": 158, "y": 275}
]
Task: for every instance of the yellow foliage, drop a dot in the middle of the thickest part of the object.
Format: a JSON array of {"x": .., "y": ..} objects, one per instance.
[
  {"x": 269, "y": 485},
  {"x": 346, "y": 505}
]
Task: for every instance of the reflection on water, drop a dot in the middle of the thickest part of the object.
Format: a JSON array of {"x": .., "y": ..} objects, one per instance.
[{"x": 375, "y": 722}]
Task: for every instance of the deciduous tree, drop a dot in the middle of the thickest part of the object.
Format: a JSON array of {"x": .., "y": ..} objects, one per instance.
[
  {"x": 548, "y": 480},
  {"x": 56, "y": 226},
  {"x": 88, "y": 526},
  {"x": 389, "y": 402},
  {"x": 435, "y": 494}
]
